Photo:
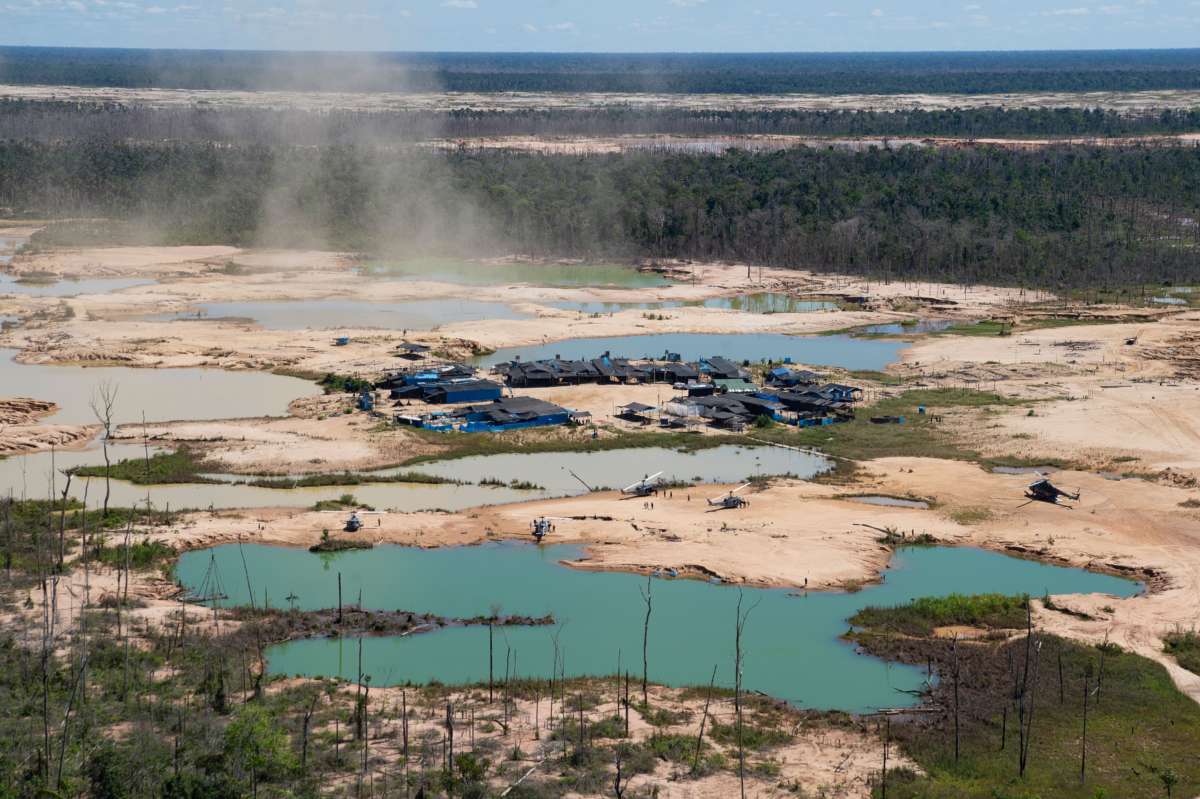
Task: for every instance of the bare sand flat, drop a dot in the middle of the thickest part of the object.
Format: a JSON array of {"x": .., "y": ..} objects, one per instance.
[{"x": 519, "y": 101}]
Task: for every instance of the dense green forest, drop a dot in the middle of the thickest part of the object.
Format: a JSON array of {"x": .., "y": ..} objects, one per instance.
[
  {"x": 1052, "y": 216},
  {"x": 54, "y": 121},
  {"x": 821, "y": 73}
]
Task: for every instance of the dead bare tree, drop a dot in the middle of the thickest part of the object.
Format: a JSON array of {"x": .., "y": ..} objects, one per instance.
[
  {"x": 1087, "y": 678},
  {"x": 648, "y": 599},
  {"x": 620, "y": 786},
  {"x": 703, "y": 718},
  {"x": 104, "y": 402},
  {"x": 495, "y": 614},
  {"x": 954, "y": 650},
  {"x": 62, "y": 522},
  {"x": 887, "y": 742},
  {"x": 308, "y": 714},
  {"x": 1028, "y": 695},
  {"x": 739, "y": 628}
]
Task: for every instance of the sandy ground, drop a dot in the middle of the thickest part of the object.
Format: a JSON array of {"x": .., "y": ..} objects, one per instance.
[
  {"x": 20, "y": 431},
  {"x": 517, "y": 101},
  {"x": 1106, "y": 403},
  {"x": 94, "y": 262},
  {"x": 822, "y": 759},
  {"x": 604, "y": 145},
  {"x": 316, "y": 438}
]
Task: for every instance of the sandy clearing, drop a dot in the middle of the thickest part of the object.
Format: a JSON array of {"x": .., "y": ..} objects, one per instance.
[
  {"x": 516, "y": 101},
  {"x": 1114, "y": 405},
  {"x": 317, "y": 438},
  {"x": 94, "y": 262},
  {"x": 718, "y": 143},
  {"x": 832, "y": 761},
  {"x": 21, "y": 439}
]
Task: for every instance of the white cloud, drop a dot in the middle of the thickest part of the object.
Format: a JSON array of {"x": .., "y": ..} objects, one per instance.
[
  {"x": 877, "y": 12},
  {"x": 1078, "y": 11},
  {"x": 529, "y": 27},
  {"x": 460, "y": 4},
  {"x": 687, "y": 3},
  {"x": 562, "y": 27}
]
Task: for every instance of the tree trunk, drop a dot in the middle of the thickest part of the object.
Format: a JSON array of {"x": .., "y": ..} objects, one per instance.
[{"x": 648, "y": 599}]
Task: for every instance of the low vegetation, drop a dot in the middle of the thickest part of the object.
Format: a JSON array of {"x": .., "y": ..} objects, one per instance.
[
  {"x": 347, "y": 479},
  {"x": 923, "y": 616},
  {"x": 1023, "y": 701},
  {"x": 920, "y": 436},
  {"x": 1185, "y": 648},
  {"x": 466, "y": 445},
  {"x": 180, "y": 466},
  {"x": 344, "y": 502}
]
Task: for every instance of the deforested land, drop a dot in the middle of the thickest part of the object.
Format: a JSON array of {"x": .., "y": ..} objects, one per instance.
[{"x": 599, "y": 426}]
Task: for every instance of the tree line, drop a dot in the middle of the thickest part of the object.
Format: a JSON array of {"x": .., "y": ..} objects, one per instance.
[
  {"x": 1055, "y": 216},
  {"x": 58, "y": 120},
  {"x": 820, "y": 73}
]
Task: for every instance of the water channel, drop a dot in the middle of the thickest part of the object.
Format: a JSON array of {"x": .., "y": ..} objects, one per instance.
[
  {"x": 768, "y": 302},
  {"x": 163, "y": 394},
  {"x": 792, "y": 644},
  {"x": 322, "y": 314},
  {"x": 29, "y": 476},
  {"x": 845, "y": 351},
  {"x": 446, "y": 270}
]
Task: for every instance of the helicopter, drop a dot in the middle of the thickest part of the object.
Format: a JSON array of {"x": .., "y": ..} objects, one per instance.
[
  {"x": 543, "y": 526},
  {"x": 647, "y": 486},
  {"x": 1043, "y": 490},
  {"x": 355, "y": 522},
  {"x": 731, "y": 501}
]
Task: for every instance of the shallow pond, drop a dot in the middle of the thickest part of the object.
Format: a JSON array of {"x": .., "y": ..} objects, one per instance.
[
  {"x": 759, "y": 303},
  {"x": 791, "y": 644},
  {"x": 321, "y": 314},
  {"x": 901, "y": 329},
  {"x": 621, "y": 467},
  {"x": 67, "y": 288},
  {"x": 29, "y": 476},
  {"x": 893, "y": 502},
  {"x": 848, "y": 352},
  {"x": 164, "y": 394},
  {"x": 445, "y": 270}
]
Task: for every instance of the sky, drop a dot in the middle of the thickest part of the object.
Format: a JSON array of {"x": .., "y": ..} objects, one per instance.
[{"x": 604, "y": 25}]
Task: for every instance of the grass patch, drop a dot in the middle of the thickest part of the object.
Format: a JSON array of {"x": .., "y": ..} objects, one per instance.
[
  {"x": 344, "y": 384},
  {"x": 141, "y": 554},
  {"x": 922, "y": 616},
  {"x": 755, "y": 737},
  {"x": 970, "y": 515},
  {"x": 995, "y": 327},
  {"x": 180, "y": 466},
  {"x": 875, "y": 376},
  {"x": 919, "y": 436},
  {"x": 344, "y": 502},
  {"x": 347, "y": 479},
  {"x": 1185, "y": 648}
]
